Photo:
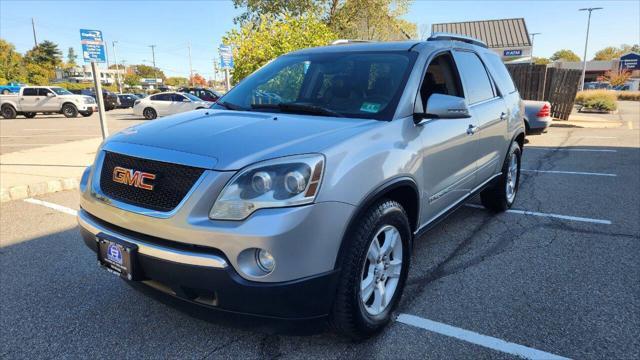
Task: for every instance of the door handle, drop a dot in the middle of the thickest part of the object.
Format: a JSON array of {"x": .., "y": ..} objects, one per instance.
[
  {"x": 503, "y": 116},
  {"x": 471, "y": 129}
]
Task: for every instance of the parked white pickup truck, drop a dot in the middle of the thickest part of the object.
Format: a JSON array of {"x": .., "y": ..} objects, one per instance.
[{"x": 46, "y": 99}]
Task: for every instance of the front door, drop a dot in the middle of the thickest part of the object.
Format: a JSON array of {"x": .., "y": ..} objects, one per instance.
[
  {"x": 48, "y": 101},
  {"x": 449, "y": 159}
]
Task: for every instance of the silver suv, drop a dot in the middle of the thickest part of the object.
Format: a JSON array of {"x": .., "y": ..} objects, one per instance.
[{"x": 298, "y": 195}]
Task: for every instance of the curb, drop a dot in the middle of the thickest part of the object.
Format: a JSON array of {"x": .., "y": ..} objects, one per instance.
[{"x": 47, "y": 187}]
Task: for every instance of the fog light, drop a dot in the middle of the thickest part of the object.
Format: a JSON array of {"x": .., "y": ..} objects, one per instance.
[{"x": 265, "y": 260}]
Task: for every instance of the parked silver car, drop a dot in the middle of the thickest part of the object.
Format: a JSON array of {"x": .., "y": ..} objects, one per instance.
[{"x": 298, "y": 195}]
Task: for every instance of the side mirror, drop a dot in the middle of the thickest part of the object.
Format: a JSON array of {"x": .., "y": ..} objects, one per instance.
[
  {"x": 50, "y": 95},
  {"x": 186, "y": 100},
  {"x": 440, "y": 106}
]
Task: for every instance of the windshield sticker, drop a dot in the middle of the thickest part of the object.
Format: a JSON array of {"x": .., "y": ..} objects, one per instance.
[{"x": 370, "y": 107}]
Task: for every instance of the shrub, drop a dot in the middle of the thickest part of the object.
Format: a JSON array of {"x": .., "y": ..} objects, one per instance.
[
  {"x": 629, "y": 95},
  {"x": 601, "y": 103}
]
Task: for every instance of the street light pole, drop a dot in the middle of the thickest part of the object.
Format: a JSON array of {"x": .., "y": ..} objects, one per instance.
[
  {"x": 586, "y": 43},
  {"x": 533, "y": 37},
  {"x": 115, "y": 58},
  {"x": 190, "y": 67},
  {"x": 155, "y": 69}
]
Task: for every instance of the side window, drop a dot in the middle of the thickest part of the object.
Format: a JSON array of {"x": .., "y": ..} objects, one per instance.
[
  {"x": 502, "y": 75},
  {"x": 29, "y": 92},
  {"x": 441, "y": 78},
  {"x": 477, "y": 84},
  {"x": 44, "y": 92},
  {"x": 177, "y": 98},
  {"x": 161, "y": 97}
]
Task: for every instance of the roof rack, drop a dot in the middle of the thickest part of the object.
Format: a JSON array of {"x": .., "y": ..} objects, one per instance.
[
  {"x": 348, "y": 41},
  {"x": 457, "y": 37}
]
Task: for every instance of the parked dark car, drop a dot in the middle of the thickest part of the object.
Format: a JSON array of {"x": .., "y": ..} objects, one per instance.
[
  {"x": 111, "y": 100},
  {"x": 140, "y": 95},
  {"x": 127, "y": 100},
  {"x": 202, "y": 93}
]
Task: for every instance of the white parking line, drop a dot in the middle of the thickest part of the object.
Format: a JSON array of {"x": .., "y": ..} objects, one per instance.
[
  {"x": 47, "y": 135},
  {"x": 19, "y": 145},
  {"x": 556, "y": 216},
  {"x": 475, "y": 338},
  {"x": 563, "y": 149},
  {"x": 53, "y": 206},
  {"x": 581, "y": 137},
  {"x": 568, "y": 172}
]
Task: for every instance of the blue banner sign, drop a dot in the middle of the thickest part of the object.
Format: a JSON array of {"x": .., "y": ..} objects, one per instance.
[
  {"x": 516, "y": 52},
  {"x": 226, "y": 57},
  {"x": 630, "y": 61},
  {"x": 92, "y": 46}
]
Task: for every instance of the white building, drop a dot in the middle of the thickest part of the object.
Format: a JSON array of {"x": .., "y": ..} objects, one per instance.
[{"x": 81, "y": 74}]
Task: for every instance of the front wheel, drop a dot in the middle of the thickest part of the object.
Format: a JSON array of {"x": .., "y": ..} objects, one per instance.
[
  {"x": 500, "y": 196},
  {"x": 69, "y": 111},
  {"x": 374, "y": 268}
]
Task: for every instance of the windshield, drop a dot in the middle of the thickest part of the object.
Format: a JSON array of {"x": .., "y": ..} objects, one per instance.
[
  {"x": 192, "y": 97},
  {"x": 362, "y": 85},
  {"x": 61, "y": 91}
]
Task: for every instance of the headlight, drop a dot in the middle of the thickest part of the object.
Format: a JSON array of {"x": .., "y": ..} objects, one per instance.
[
  {"x": 88, "y": 100},
  {"x": 287, "y": 181}
]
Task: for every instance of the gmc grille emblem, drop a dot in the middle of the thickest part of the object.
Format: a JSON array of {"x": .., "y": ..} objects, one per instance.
[{"x": 133, "y": 178}]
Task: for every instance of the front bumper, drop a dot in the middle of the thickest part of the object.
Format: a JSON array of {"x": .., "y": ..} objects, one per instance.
[{"x": 203, "y": 277}]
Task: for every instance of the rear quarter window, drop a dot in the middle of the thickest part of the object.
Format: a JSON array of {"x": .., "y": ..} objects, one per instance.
[
  {"x": 29, "y": 92},
  {"x": 501, "y": 75}
]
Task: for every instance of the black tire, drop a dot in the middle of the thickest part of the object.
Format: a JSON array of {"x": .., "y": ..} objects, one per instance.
[
  {"x": 69, "y": 110},
  {"x": 349, "y": 316},
  {"x": 86, "y": 113},
  {"x": 29, "y": 115},
  {"x": 496, "y": 198},
  {"x": 8, "y": 112},
  {"x": 149, "y": 113}
]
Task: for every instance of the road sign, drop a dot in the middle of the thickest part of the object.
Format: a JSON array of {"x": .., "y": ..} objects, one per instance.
[
  {"x": 92, "y": 46},
  {"x": 226, "y": 57},
  {"x": 513, "y": 52},
  {"x": 630, "y": 61}
]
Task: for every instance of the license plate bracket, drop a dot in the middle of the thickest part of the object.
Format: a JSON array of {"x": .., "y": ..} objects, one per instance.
[{"x": 118, "y": 256}]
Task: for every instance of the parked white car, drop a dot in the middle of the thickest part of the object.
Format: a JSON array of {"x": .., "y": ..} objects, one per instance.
[
  {"x": 167, "y": 103},
  {"x": 46, "y": 99}
]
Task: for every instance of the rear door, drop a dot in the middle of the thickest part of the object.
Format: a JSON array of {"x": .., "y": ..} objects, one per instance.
[
  {"x": 29, "y": 99},
  {"x": 488, "y": 110},
  {"x": 161, "y": 103},
  {"x": 448, "y": 157}
]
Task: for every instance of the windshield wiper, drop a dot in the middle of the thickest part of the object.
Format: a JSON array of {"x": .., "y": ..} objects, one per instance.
[
  {"x": 231, "y": 106},
  {"x": 298, "y": 107}
]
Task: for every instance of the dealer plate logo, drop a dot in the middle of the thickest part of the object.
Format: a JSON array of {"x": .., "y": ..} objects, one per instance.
[{"x": 114, "y": 254}]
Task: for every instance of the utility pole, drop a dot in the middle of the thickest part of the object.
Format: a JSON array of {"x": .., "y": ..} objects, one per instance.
[
  {"x": 586, "y": 43},
  {"x": 190, "y": 67},
  {"x": 33, "y": 26},
  {"x": 115, "y": 59},
  {"x": 533, "y": 37},
  {"x": 155, "y": 69}
]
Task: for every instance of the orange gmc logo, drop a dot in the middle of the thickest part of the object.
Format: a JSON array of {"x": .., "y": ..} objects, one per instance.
[{"x": 133, "y": 178}]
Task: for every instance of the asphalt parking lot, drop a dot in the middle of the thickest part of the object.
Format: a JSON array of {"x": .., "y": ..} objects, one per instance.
[
  {"x": 22, "y": 133},
  {"x": 555, "y": 276}
]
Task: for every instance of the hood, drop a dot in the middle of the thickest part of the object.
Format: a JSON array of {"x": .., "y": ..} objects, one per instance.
[{"x": 234, "y": 139}]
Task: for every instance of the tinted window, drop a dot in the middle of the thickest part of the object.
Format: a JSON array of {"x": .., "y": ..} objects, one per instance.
[
  {"x": 477, "y": 86},
  {"x": 177, "y": 97},
  {"x": 44, "y": 92},
  {"x": 30, "y": 92},
  {"x": 502, "y": 76},
  {"x": 161, "y": 97},
  {"x": 441, "y": 78}
]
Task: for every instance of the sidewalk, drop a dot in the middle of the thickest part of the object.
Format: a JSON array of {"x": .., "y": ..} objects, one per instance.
[{"x": 45, "y": 169}]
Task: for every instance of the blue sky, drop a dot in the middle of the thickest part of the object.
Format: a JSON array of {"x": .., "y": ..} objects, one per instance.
[{"x": 172, "y": 24}]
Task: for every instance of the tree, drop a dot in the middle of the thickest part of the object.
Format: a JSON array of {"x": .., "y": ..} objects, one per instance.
[
  {"x": 71, "y": 57},
  {"x": 373, "y": 20},
  {"x": 254, "y": 44},
  {"x": 45, "y": 54},
  {"x": 198, "y": 80},
  {"x": 564, "y": 55},
  {"x": 149, "y": 72},
  {"x": 11, "y": 64},
  {"x": 37, "y": 74},
  {"x": 131, "y": 79},
  {"x": 177, "y": 81},
  {"x": 612, "y": 52},
  {"x": 254, "y": 9},
  {"x": 541, "y": 61}
]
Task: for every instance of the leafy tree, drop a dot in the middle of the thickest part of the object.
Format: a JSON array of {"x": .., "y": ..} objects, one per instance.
[
  {"x": 254, "y": 44},
  {"x": 630, "y": 48},
  {"x": 565, "y": 55},
  {"x": 612, "y": 52},
  {"x": 198, "y": 80},
  {"x": 541, "y": 61},
  {"x": 71, "y": 57},
  {"x": 146, "y": 71},
  {"x": 373, "y": 20},
  {"x": 254, "y": 9},
  {"x": 177, "y": 81},
  {"x": 37, "y": 74},
  {"x": 11, "y": 67},
  {"x": 131, "y": 79},
  {"x": 45, "y": 54}
]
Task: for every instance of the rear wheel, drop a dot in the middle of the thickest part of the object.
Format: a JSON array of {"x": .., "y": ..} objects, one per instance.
[
  {"x": 8, "y": 112},
  {"x": 29, "y": 115},
  {"x": 374, "y": 268},
  {"x": 149, "y": 113},
  {"x": 69, "y": 110},
  {"x": 500, "y": 196}
]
